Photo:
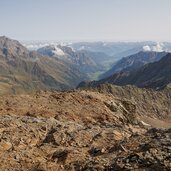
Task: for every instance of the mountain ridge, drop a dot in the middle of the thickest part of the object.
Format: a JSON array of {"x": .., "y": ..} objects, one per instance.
[
  {"x": 134, "y": 61},
  {"x": 71, "y": 130},
  {"x": 22, "y": 70},
  {"x": 87, "y": 62},
  {"x": 153, "y": 75}
]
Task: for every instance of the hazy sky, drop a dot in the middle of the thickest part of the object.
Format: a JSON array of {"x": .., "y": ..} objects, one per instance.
[{"x": 111, "y": 20}]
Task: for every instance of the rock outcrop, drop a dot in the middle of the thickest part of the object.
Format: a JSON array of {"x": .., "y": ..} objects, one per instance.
[{"x": 78, "y": 130}]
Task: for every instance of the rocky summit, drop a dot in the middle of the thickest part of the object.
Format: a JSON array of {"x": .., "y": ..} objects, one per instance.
[{"x": 78, "y": 130}]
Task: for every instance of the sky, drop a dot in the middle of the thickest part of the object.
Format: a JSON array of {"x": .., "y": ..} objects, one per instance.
[{"x": 86, "y": 20}]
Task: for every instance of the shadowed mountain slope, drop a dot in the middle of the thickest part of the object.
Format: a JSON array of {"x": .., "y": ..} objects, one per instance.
[
  {"x": 155, "y": 75},
  {"x": 133, "y": 62}
]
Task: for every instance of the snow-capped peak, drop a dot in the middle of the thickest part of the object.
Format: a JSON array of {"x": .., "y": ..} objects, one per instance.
[
  {"x": 58, "y": 51},
  {"x": 159, "y": 47}
]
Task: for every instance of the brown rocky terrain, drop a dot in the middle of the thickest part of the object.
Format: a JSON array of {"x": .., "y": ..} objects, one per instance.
[
  {"x": 85, "y": 107},
  {"x": 152, "y": 107},
  {"x": 78, "y": 130}
]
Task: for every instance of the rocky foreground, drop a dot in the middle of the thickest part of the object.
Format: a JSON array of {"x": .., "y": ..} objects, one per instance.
[{"x": 78, "y": 130}]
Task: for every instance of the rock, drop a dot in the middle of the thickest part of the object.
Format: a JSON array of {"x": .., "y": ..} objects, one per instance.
[
  {"x": 4, "y": 146},
  {"x": 86, "y": 135},
  {"x": 95, "y": 151},
  {"x": 60, "y": 155}
]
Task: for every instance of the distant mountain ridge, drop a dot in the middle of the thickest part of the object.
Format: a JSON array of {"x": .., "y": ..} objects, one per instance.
[
  {"x": 87, "y": 62},
  {"x": 155, "y": 75},
  {"x": 134, "y": 61}
]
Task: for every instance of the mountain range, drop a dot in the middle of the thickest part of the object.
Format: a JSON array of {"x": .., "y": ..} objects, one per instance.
[
  {"x": 87, "y": 62},
  {"x": 24, "y": 70},
  {"x": 51, "y": 67},
  {"x": 61, "y": 68},
  {"x": 155, "y": 75},
  {"x": 116, "y": 50},
  {"x": 134, "y": 61},
  {"x": 100, "y": 126}
]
